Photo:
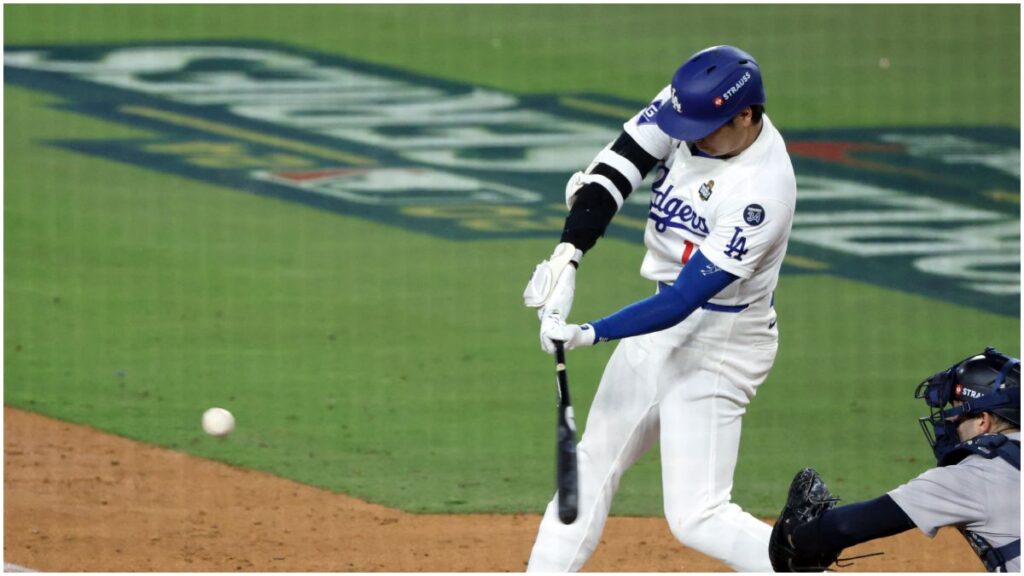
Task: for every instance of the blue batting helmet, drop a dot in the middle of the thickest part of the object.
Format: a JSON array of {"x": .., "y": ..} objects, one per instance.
[
  {"x": 708, "y": 90},
  {"x": 986, "y": 382}
]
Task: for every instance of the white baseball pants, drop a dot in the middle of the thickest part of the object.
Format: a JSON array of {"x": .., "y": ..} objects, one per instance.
[{"x": 687, "y": 386}]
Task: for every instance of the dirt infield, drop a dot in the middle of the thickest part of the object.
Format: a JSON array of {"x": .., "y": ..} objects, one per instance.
[{"x": 76, "y": 499}]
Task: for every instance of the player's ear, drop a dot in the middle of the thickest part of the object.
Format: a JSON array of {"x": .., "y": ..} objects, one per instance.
[
  {"x": 745, "y": 117},
  {"x": 985, "y": 423}
]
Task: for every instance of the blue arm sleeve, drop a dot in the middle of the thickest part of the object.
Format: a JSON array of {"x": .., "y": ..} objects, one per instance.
[
  {"x": 697, "y": 283},
  {"x": 852, "y": 524}
]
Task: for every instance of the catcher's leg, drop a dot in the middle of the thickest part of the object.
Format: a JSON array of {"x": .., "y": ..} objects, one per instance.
[
  {"x": 700, "y": 436},
  {"x": 621, "y": 426}
]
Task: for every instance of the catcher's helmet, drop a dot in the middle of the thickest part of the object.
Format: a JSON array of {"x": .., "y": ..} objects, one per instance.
[
  {"x": 708, "y": 90},
  {"x": 987, "y": 382}
]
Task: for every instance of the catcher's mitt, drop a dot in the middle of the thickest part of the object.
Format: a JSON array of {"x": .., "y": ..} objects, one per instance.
[{"x": 808, "y": 499}]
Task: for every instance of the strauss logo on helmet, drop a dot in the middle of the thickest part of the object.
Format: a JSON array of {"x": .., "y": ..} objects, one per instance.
[{"x": 735, "y": 88}]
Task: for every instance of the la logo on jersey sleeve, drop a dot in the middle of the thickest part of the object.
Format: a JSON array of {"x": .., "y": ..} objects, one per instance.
[
  {"x": 736, "y": 249},
  {"x": 737, "y": 246}
]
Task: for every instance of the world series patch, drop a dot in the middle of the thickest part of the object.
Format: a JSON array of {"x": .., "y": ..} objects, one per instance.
[{"x": 706, "y": 189}]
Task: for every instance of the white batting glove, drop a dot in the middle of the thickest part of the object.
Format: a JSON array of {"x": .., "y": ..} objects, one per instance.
[
  {"x": 553, "y": 285},
  {"x": 560, "y": 300},
  {"x": 573, "y": 336}
]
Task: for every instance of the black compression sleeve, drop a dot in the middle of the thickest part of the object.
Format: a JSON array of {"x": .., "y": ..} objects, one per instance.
[
  {"x": 626, "y": 147},
  {"x": 594, "y": 207},
  {"x": 852, "y": 524},
  {"x": 621, "y": 182},
  {"x": 589, "y": 217}
]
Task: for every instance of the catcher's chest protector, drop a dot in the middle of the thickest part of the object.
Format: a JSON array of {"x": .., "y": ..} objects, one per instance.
[
  {"x": 989, "y": 446},
  {"x": 994, "y": 559}
]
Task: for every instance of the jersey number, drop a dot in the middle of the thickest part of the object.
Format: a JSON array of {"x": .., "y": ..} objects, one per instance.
[{"x": 688, "y": 249}]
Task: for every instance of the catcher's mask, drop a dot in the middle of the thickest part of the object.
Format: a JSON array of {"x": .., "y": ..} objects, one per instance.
[{"x": 987, "y": 382}]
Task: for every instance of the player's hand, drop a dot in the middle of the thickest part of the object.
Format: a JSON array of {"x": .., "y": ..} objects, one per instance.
[
  {"x": 553, "y": 284},
  {"x": 552, "y": 328},
  {"x": 808, "y": 499}
]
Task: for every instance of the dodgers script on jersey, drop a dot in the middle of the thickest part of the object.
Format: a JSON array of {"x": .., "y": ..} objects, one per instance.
[
  {"x": 979, "y": 494},
  {"x": 738, "y": 211}
]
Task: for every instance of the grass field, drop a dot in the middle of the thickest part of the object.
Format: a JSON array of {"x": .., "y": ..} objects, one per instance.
[{"x": 397, "y": 364}]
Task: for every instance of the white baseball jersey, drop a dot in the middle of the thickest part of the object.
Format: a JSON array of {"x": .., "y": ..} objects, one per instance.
[
  {"x": 738, "y": 211},
  {"x": 686, "y": 388},
  {"x": 980, "y": 494}
]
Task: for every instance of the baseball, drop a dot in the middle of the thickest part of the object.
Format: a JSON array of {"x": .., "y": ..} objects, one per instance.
[{"x": 218, "y": 422}]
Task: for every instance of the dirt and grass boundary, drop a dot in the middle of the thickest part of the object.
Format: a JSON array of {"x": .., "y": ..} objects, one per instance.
[{"x": 77, "y": 499}]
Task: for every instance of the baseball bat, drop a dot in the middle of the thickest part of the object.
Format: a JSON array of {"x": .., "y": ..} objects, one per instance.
[{"x": 568, "y": 481}]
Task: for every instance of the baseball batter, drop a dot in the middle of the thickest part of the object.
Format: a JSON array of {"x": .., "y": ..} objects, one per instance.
[
  {"x": 974, "y": 431},
  {"x": 692, "y": 356}
]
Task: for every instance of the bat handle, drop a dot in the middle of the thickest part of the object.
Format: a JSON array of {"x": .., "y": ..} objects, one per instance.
[
  {"x": 567, "y": 473},
  {"x": 560, "y": 354}
]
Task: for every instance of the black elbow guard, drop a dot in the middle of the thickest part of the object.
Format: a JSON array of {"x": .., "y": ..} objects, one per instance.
[
  {"x": 591, "y": 213},
  {"x": 595, "y": 206},
  {"x": 628, "y": 148}
]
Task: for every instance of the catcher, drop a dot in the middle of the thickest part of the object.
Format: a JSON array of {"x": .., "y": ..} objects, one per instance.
[{"x": 974, "y": 430}]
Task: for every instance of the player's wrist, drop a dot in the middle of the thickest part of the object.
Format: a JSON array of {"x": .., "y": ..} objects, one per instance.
[
  {"x": 567, "y": 248},
  {"x": 588, "y": 337}
]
